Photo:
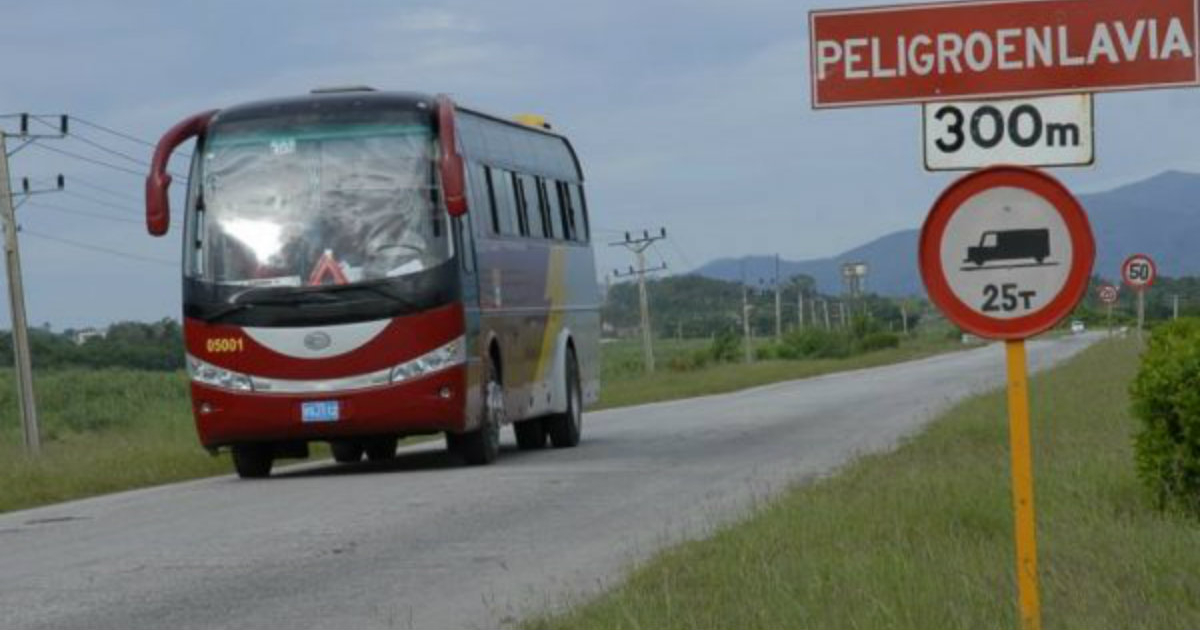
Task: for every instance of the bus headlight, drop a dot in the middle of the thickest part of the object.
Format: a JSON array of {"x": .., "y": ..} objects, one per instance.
[
  {"x": 449, "y": 355},
  {"x": 209, "y": 374}
]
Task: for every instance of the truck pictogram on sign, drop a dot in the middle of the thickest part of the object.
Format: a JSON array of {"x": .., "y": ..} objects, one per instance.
[{"x": 1010, "y": 245}]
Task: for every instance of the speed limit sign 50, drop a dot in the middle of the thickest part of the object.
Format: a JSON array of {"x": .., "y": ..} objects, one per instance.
[{"x": 1138, "y": 271}]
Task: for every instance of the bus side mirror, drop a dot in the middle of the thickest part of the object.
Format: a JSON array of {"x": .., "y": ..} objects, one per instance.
[
  {"x": 450, "y": 164},
  {"x": 158, "y": 205}
]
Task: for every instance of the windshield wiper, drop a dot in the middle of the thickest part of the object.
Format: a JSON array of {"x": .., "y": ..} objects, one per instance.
[
  {"x": 377, "y": 289},
  {"x": 225, "y": 311}
]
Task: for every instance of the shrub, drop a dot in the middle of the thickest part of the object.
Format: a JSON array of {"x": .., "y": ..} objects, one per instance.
[
  {"x": 689, "y": 361},
  {"x": 725, "y": 347},
  {"x": 1166, "y": 398},
  {"x": 878, "y": 341},
  {"x": 816, "y": 343}
]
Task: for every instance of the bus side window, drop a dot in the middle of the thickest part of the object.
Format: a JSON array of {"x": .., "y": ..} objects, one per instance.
[
  {"x": 506, "y": 204},
  {"x": 579, "y": 213},
  {"x": 564, "y": 201},
  {"x": 464, "y": 242},
  {"x": 522, "y": 218},
  {"x": 483, "y": 200},
  {"x": 530, "y": 210},
  {"x": 553, "y": 210}
]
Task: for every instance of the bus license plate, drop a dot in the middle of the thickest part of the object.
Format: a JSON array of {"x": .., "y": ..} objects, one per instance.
[{"x": 319, "y": 411}]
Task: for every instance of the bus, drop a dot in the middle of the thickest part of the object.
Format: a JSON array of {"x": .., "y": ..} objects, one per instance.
[{"x": 360, "y": 266}]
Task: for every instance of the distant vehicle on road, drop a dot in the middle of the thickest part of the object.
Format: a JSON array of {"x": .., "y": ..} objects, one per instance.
[
  {"x": 360, "y": 266},
  {"x": 1078, "y": 327},
  {"x": 1010, "y": 245}
]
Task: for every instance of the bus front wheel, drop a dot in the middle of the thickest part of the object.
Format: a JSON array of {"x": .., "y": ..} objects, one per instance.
[
  {"x": 252, "y": 461},
  {"x": 482, "y": 445}
]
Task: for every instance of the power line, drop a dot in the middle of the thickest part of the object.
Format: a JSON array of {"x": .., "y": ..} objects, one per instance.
[
  {"x": 82, "y": 213},
  {"x": 686, "y": 260},
  {"x": 87, "y": 184},
  {"x": 657, "y": 251},
  {"x": 91, "y": 160},
  {"x": 90, "y": 199},
  {"x": 100, "y": 202},
  {"x": 126, "y": 136},
  {"x": 96, "y": 145},
  {"x": 99, "y": 249}
]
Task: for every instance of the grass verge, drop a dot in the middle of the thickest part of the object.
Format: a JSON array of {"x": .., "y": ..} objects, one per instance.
[
  {"x": 102, "y": 431},
  {"x": 629, "y": 386},
  {"x": 115, "y": 429},
  {"x": 922, "y": 537}
]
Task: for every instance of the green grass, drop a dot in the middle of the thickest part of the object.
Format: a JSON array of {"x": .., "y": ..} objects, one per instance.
[
  {"x": 102, "y": 431},
  {"x": 623, "y": 383},
  {"x": 922, "y": 537},
  {"x": 110, "y": 430}
]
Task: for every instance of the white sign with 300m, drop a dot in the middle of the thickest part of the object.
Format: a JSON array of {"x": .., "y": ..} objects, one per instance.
[{"x": 1049, "y": 131}]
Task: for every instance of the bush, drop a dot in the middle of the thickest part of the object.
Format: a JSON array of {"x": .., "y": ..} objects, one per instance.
[
  {"x": 878, "y": 341},
  {"x": 815, "y": 343},
  {"x": 725, "y": 348},
  {"x": 689, "y": 361},
  {"x": 1166, "y": 398},
  {"x": 767, "y": 352}
]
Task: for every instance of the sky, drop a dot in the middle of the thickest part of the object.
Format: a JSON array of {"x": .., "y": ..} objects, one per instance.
[{"x": 694, "y": 116}]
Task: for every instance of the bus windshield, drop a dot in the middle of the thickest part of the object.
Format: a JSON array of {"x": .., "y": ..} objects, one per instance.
[{"x": 286, "y": 202}]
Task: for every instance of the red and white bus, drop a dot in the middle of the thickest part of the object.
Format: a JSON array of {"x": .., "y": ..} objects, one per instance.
[{"x": 360, "y": 266}]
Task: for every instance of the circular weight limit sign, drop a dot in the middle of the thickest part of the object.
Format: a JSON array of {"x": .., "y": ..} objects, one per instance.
[
  {"x": 1139, "y": 271},
  {"x": 1006, "y": 252},
  {"x": 1108, "y": 294}
]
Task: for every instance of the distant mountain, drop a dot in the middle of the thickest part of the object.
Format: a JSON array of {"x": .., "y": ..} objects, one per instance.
[{"x": 1159, "y": 216}]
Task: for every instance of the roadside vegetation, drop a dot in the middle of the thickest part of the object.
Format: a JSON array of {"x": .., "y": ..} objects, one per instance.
[
  {"x": 110, "y": 429},
  {"x": 922, "y": 537},
  {"x": 1167, "y": 401},
  {"x": 696, "y": 367},
  {"x": 102, "y": 431}
]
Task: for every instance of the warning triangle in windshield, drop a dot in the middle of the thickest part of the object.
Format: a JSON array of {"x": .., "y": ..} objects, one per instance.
[{"x": 327, "y": 266}]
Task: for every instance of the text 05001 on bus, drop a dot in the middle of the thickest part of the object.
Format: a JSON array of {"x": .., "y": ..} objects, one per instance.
[{"x": 360, "y": 266}]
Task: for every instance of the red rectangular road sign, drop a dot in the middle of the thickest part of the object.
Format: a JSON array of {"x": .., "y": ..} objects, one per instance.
[{"x": 933, "y": 52}]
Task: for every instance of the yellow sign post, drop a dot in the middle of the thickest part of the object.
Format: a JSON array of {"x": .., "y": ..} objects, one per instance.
[
  {"x": 1001, "y": 291},
  {"x": 1022, "y": 486}
]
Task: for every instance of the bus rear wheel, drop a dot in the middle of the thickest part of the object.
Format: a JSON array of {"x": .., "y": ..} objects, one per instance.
[
  {"x": 566, "y": 428},
  {"x": 381, "y": 449},
  {"x": 482, "y": 445},
  {"x": 531, "y": 434},
  {"x": 346, "y": 451},
  {"x": 252, "y": 461}
]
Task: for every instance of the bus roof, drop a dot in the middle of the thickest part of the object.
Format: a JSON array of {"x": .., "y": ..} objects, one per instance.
[{"x": 491, "y": 139}]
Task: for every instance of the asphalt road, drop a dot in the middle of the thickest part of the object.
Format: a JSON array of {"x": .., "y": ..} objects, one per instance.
[{"x": 425, "y": 543}]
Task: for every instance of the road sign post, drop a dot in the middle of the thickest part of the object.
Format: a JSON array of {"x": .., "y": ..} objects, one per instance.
[
  {"x": 1108, "y": 295},
  {"x": 1138, "y": 273},
  {"x": 1006, "y": 252},
  {"x": 1021, "y": 454}
]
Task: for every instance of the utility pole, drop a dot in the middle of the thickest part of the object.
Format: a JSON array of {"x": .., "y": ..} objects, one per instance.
[
  {"x": 1175, "y": 306},
  {"x": 800, "y": 308},
  {"x": 842, "y": 314},
  {"x": 746, "y": 325},
  {"x": 638, "y": 247},
  {"x": 23, "y": 363},
  {"x": 825, "y": 307},
  {"x": 778, "y": 304},
  {"x": 904, "y": 317}
]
